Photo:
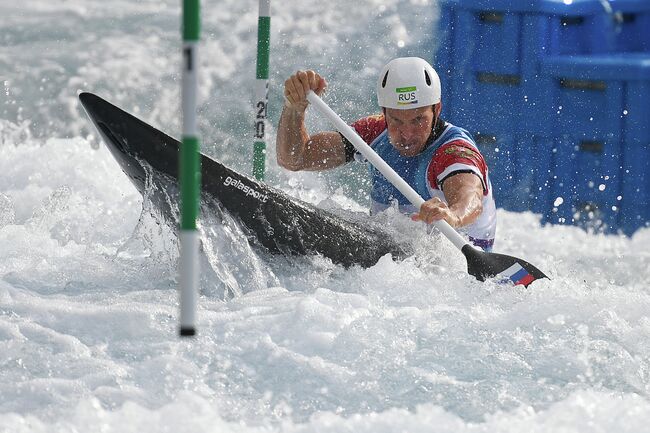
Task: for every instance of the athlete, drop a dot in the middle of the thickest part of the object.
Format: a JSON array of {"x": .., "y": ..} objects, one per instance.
[{"x": 437, "y": 159}]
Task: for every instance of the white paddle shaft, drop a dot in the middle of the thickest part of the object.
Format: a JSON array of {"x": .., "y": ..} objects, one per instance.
[{"x": 383, "y": 167}]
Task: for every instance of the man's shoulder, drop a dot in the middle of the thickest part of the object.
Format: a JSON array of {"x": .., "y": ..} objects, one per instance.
[
  {"x": 374, "y": 121},
  {"x": 370, "y": 127},
  {"x": 456, "y": 133}
]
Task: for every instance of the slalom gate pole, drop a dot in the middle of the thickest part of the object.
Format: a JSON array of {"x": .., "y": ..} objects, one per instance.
[
  {"x": 189, "y": 171},
  {"x": 262, "y": 87}
]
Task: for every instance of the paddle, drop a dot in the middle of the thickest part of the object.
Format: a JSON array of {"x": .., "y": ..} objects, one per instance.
[{"x": 480, "y": 264}]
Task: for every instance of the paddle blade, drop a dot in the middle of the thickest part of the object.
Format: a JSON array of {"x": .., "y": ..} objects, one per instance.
[{"x": 485, "y": 265}]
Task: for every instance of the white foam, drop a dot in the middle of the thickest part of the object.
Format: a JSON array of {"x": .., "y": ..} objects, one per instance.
[{"x": 88, "y": 301}]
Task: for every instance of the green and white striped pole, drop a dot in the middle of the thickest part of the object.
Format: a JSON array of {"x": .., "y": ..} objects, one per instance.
[
  {"x": 189, "y": 171},
  {"x": 262, "y": 87}
]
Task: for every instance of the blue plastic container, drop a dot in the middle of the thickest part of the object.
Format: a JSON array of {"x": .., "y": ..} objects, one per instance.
[
  {"x": 631, "y": 25},
  {"x": 556, "y": 92},
  {"x": 562, "y": 26},
  {"x": 489, "y": 53},
  {"x": 600, "y": 122},
  {"x": 585, "y": 188}
]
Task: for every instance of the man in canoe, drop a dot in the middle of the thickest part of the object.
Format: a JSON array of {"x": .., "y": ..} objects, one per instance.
[{"x": 437, "y": 159}]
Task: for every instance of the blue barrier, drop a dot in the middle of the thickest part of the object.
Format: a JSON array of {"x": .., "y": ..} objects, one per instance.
[
  {"x": 562, "y": 26},
  {"x": 586, "y": 185},
  {"x": 556, "y": 93},
  {"x": 489, "y": 51},
  {"x": 600, "y": 116}
]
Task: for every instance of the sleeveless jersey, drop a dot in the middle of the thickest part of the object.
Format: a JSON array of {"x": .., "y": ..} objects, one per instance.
[{"x": 452, "y": 152}]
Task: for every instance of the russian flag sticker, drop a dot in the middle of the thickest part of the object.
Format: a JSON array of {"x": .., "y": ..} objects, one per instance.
[{"x": 518, "y": 275}]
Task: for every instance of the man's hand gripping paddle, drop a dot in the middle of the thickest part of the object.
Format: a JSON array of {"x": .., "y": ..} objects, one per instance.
[{"x": 480, "y": 264}]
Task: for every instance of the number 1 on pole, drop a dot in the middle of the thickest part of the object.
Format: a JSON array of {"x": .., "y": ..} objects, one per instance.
[{"x": 189, "y": 172}]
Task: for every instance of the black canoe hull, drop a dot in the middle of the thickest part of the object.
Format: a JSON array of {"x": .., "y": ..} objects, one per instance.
[{"x": 276, "y": 221}]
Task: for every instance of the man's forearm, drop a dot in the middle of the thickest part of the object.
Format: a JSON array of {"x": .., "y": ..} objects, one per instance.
[
  {"x": 467, "y": 208},
  {"x": 464, "y": 194},
  {"x": 291, "y": 139},
  {"x": 464, "y": 201}
]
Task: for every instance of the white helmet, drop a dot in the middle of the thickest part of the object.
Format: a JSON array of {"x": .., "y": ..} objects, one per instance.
[{"x": 408, "y": 82}]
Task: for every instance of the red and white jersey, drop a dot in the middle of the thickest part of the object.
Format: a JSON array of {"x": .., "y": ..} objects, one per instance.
[{"x": 452, "y": 152}]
